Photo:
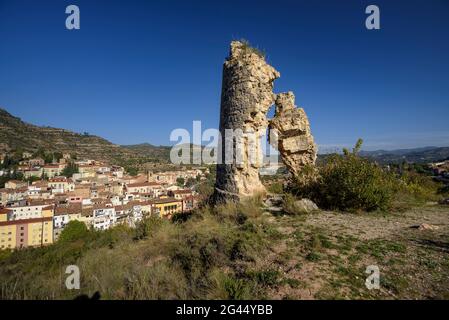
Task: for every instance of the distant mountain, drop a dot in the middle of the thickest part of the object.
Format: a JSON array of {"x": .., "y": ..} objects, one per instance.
[
  {"x": 149, "y": 150},
  {"x": 417, "y": 155},
  {"x": 16, "y": 134}
]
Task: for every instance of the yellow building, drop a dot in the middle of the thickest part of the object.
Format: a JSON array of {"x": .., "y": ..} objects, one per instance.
[
  {"x": 61, "y": 184},
  {"x": 87, "y": 170},
  {"x": 7, "y": 232},
  {"x": 166, "y": 207},
  {"x": 5, "y": 214},
  {"x": 40, "y": 232},
  {"x": 26, "y": 232},
  {"x": 53, "y": 170},
  {"x": 35, "y": 172},
  {"x": 15, "y": 184}
]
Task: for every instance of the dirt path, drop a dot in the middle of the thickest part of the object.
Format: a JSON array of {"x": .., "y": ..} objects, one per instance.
[
  {"x": 325, "y": 255},
  {"x": 371, "y": 226}
]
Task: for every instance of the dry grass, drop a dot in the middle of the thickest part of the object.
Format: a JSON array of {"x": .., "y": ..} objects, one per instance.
[{"x": 235, "y": 252}]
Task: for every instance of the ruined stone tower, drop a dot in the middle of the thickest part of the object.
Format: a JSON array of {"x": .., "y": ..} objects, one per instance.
[
  {"x": 247, "y": 94},
  {"x": 291, "y": 129}
]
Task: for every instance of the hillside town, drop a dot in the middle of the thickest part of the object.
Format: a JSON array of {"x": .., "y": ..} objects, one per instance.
[{"x": 35, "y": 209}]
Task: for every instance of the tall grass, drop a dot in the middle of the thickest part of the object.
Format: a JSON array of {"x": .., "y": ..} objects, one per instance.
[{"x": 198, "y": 258}]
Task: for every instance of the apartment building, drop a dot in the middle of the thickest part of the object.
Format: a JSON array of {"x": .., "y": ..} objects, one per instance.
[{"x": 29, "y": 232}]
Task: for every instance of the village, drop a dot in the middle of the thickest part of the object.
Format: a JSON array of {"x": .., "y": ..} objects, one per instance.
[{"x": 36, "y": 209}]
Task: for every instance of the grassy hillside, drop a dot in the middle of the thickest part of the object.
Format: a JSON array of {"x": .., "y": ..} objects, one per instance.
[
  {"x": 242, "y": 252},
  {"x": 150, "y": 151},
  {"x": 250, "y": 251},
  {"x": 18, "y": 135}
]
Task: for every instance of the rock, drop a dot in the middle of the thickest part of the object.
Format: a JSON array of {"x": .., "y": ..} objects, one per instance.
[
  {"x": 273, "y": 201},
  {"x": 275, "y": 209},
  {"x": 290, "y": 130},
  {"x": 306, "y": 206},
  {"x": 444, "y": 201},
  {"x": 425, "y": 226}
]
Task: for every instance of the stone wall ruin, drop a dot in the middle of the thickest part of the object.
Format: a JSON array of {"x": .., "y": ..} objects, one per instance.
[{"x": 247, "y": 95}]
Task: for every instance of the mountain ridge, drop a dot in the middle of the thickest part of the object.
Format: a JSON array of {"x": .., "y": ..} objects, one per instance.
[{"x": 18, "y": 134}]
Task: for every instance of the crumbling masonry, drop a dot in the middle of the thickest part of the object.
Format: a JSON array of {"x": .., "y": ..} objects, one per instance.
[{"x": 247, "y": 95}]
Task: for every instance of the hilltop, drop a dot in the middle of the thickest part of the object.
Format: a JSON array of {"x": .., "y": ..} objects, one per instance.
[
  {"x": 16, "y": 134},
  {"x": 415, "y": 155}
]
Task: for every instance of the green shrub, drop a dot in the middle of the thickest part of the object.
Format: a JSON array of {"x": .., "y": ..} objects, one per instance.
[
  {"x": 422, "y": 187},
  {"x": 236, "y": 289},
  {"x": 349, "y": 182},
  {"x": 74, "y": 230},
  {"x": 276, "y": 187},
  {"x": 248, "y": 49},
  {"x": 268, "y": 277}
]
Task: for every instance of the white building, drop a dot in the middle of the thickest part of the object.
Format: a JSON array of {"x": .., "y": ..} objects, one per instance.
[
  {"x": 27, "y": 212},
  {"x": 104, "y": 217}
]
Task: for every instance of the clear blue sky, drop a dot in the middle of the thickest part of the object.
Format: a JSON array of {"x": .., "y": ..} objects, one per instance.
[{"x": 138, "y": 69}]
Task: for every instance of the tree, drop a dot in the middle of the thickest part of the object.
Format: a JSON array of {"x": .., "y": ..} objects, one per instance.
[
  {"x": 9, "y": 162},
  {"x": 10, "y": 175},
  {"x": 32, "y": 179},
  {"x": 39, "y": 153},
  {"x": 74, "y": 230},
  {"x": 48, "y": 157},
  {"x": 133, "y": 171},
  {"x": 69, "y": 170},
  {"x": 57, "y": 156},
  {"x": 190, "y": 182},
  {"x": 180, "y": 181}
]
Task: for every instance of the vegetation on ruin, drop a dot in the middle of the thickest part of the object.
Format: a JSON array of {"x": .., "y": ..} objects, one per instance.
[{"x": 248, "y": 49}]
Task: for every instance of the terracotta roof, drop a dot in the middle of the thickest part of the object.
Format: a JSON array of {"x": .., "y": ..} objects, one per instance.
[
  {"x": 70, "y": 209},
  {"x": 41, "y": 202},
  {"x": 51, "y": 166},
  {"x": 183, "y": 191},
  {"x": 5, "y": 211},
  {"x": 25, "y": 221},
  {"x": 103, "y": 206},
  {"x": 59, "y": 179},
  {"x": 164, "y": 200},
  {"x": 143, "y": 184}
]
